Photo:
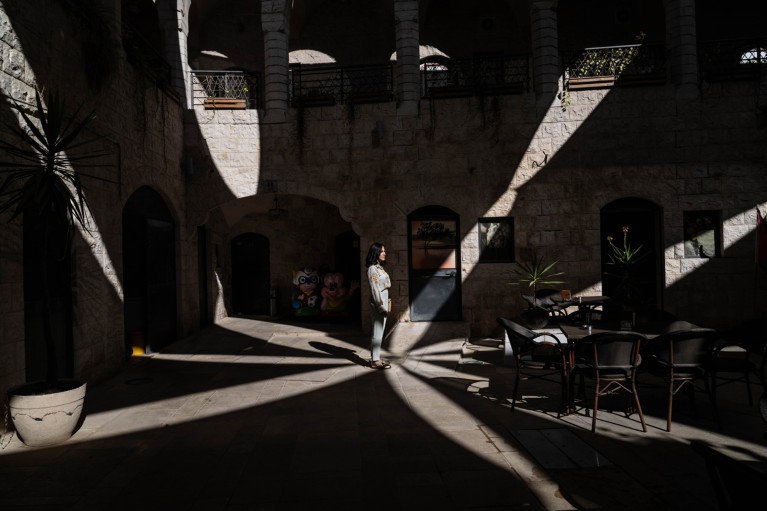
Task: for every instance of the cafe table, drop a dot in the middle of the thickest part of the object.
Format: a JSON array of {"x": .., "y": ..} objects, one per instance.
[
  {"x": 586, "y": 305},
  {"x": 574, "y": 332}
]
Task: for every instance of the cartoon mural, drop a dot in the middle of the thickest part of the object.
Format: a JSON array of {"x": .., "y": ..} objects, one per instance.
[
  {"x": 335, "y": 297},
  {"x": 306, "y": 297}
]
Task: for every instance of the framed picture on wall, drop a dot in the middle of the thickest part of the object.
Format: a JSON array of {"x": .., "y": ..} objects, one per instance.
[
  {"x": 702, "y": 233},
  {"x": 496, "y": 240}
]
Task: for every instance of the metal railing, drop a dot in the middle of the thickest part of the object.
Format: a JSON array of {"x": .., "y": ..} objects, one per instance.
[
  {"x": 317, "y": 85},
  {"x": 732, "y": 60},
  {"x": 144, "y": 57},
  {"x": 508, "y": 74},
  {"x": 623, "y": 65},
  {"x": 226, "y": 89}
]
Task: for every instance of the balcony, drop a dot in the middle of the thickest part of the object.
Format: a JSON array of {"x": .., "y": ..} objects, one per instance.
[
  {"x": 482, "y": 76},
  {"x": 610, "y": 66},
  {"x": 324, "y": 85},
  {"x": 226, "y": 90},
  {"x": 732, "y": 60},
  {"x": 145, "y": 58}
]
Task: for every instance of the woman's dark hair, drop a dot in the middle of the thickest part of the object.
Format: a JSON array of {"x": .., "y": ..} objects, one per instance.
[{"x": 373, "y": 252}]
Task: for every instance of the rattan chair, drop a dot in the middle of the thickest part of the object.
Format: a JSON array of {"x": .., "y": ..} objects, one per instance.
[
  {"x": 736, "y": 356},
  {"x": 535, "y": 355},
  {"x": 682, "y": 358},
  {"x": 611, "y": 360}
]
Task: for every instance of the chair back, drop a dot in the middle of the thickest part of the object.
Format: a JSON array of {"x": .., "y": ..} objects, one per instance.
[
  {"x": 611, "y": 352},
  {"x": 518, "y": 335},
  {"x": 751, "y": 335},
  {"x": 544, "y": 299},
  {"x": 685, "y": 348}
]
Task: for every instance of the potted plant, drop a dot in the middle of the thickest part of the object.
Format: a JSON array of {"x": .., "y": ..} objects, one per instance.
[
  {"x": 41, "y": 185},
  {"x": 623, "y": 259},
  {"x": 534, "y": 274}
]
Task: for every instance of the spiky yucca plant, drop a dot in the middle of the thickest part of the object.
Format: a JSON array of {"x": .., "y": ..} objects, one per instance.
[
  {"x": 40, "y": 184},
  {"x": 537, "y": 273}
]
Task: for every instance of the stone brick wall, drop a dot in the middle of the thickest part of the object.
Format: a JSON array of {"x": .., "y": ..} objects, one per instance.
[
  {"x": 552, "y": 170},
  {"x": 140, "y": 129}
]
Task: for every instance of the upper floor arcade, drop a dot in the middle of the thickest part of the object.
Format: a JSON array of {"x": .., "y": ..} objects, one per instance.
[{"x": 278, "y": 55}]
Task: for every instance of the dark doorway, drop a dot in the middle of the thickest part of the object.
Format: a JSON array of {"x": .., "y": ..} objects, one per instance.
[
  {"x": 250, "y": 274},
  {"x": 347, "y": 259},
  {"x": 58, "y": 269},
  {"x": 434, "y": 259},
  {"x": 149, "y": 274},
  {"x": 643, "y": 220},
  {"x": 202, "y": 275}
]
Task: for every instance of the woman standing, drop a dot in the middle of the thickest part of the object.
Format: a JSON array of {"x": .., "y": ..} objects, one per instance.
[{"x": 379, "y": 302}]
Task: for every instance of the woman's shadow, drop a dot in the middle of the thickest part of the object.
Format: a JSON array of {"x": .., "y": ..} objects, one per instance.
[{"x": 339, "y": 352}]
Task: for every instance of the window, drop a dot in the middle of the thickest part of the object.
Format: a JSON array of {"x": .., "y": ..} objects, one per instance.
[{"x": 754, "y": 56}]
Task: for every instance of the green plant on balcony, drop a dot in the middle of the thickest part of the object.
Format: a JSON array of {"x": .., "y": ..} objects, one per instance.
[{"x": 601, "y": 62}]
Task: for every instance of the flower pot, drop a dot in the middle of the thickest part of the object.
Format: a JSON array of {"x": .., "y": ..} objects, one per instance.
[
  {"x": 535, "y": 318},
  {"x": 43, "y": 417}
]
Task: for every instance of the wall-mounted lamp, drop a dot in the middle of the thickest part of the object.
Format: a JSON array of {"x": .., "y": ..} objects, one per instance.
[
  {"x": 377, "y": 133},
  {"x": 276, "y": 211}
]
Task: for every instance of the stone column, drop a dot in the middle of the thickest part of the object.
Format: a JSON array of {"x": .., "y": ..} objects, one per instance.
[
  {"x": 407, "y": 70},
  {"x": 174, "y": 26},
  {"x": 275, "y": 22},
  {"x": 546, "y": 62},
  {"x": 681, "y": 47}
]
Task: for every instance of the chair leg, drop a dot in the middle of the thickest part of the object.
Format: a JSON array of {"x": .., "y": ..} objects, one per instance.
[
  {"x": 565, "y": 408},
  {"x": 596, "y": 405},
  {"x": 670, "y": 404},
  {"x": 516, "y": 388},
  {"x": 715, "y": 410},
  {"x": 638, "y": 406}
]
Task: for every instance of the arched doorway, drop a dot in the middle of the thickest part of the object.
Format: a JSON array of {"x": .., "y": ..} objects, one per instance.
[
  {"x": 149, "y": 272},
  {"x": 433, "y": 260},
  {"x": 642, "y": 218},
  {"x": 250, "y": 274}
]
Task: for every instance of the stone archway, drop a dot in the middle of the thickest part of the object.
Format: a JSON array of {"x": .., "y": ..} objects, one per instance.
[{"x": 149, "y": 272}]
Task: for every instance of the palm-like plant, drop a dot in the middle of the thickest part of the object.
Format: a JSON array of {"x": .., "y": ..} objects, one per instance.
[
  {"x": 623, "y": 259},
  {"x": 537, "y": 273},
  {"x": 41, "y": 184}
]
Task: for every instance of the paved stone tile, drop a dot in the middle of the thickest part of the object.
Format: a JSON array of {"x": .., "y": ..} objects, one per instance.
[{"x": 258, "y": 415}]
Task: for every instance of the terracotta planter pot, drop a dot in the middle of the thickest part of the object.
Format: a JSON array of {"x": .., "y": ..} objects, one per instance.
[{"x": 43, "y": 419}]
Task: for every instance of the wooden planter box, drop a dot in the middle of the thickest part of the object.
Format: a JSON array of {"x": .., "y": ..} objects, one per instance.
[
  {"x": 224, "y": 104},
  {"x": 591, "y": 82}
]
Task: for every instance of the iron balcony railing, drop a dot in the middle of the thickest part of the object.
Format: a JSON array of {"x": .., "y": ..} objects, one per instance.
[
  {"x": 732, "y": 60},
  {"x": 317, "y": 85},
  {"x": 615, "y": 65},
  {"x": 140, "y": 54},
  {"x": 508, "y": 74},
  {"x": 226, "y": 89}
]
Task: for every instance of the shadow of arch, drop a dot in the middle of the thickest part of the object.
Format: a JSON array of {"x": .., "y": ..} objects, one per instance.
[{"x": 149, "y": 272}]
